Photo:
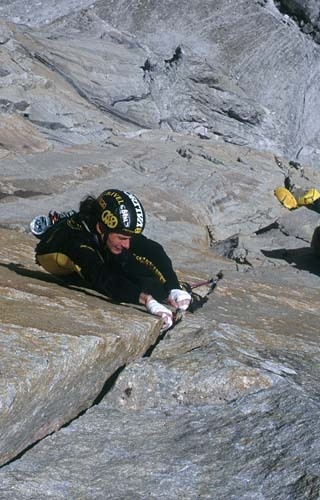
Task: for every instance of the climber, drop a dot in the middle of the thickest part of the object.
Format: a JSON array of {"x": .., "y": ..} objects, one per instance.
[{"x": 103, "y": 243}]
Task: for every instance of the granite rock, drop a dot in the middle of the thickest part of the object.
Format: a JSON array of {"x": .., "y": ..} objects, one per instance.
[{"x": 202, "y": 110}]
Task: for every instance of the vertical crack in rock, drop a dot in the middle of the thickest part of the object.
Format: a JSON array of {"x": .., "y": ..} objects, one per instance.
[{"x": 306, "y": 15}]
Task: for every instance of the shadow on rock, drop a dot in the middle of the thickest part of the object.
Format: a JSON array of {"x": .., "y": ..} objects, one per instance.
[
  {"x": 72, "y": 282},
  {"x": 303, "y": 258}
]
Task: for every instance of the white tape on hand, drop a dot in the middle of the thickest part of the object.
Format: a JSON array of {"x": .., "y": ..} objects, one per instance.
[
  {"x": 181, "y": 297},
  {"x": 154, "y": 307}
]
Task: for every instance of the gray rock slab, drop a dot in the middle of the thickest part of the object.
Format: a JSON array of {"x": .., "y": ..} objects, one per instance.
[
  {"x": 255, "y": 331},
  {"x": 259, "y": 48},
  {"x": 38, "y": 13},
  {"x": 237, "y": 451},
  {"x": 258, "y": 86},
  {"x": 226, "y": 405},
  {"x": 209, "y": 414},
  {"x": 230, "y": 189}
]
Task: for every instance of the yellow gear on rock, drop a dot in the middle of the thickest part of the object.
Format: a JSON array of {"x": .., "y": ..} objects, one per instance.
[
  {"x": 309, "y": 197},
  {"x": 286, "y": 198}
]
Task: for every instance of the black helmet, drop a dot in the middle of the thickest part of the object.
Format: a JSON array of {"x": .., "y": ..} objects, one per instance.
[{"x": 121, "y": 212}]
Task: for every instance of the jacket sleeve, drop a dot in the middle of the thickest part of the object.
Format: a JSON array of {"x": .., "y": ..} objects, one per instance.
[{"x": 156, "y": 254}]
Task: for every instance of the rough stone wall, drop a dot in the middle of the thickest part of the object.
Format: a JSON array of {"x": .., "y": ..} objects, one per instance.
[{"x": 94, "y": 403}]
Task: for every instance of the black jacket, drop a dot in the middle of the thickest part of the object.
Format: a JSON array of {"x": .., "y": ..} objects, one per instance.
[{"x": 145, "y": 267}]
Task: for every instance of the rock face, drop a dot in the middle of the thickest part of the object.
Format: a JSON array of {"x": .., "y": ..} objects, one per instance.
[
  {"x": 202, "y": 110},
  {"x": 244, "y": 73}
]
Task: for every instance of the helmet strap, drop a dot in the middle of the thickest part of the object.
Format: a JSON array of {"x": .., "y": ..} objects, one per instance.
[{"x": 101, "y": 232}]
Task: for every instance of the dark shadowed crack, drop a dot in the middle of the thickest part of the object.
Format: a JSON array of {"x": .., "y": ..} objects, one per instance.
[
  {"x": 305, "y": 14},
  {"x": 49, "y": 125},
  {"x": 132, "y": 98},
  {"x": 22, "y": 194}
]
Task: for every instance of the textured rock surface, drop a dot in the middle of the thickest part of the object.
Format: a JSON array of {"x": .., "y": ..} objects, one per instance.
[
  {"x": 226, "y": 405},
  {"x": 247, "y": 73}
]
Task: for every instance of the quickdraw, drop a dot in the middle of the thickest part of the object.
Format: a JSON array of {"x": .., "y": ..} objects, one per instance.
[{"x": 198, "y": 300}]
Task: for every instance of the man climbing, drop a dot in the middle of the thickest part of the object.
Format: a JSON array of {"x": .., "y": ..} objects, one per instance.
[{"x": 104, "y": 245}]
